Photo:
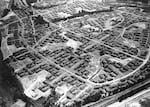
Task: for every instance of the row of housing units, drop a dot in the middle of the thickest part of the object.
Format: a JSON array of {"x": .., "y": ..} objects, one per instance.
[
  {"x": 115, "y": 64},
  {"x": 70, "y": 9},
  {"x": 28, "y": 64},
  {"x": 14, "y": 32},
  {"x": 79, "y": 59},
  {"x": 140, "y": 36},
  {"x": 93, "y": 23},
  {"x": 110, "y": 90},
  {"x": 30, "y": 30},
  {"x": 24, "y": 31}
]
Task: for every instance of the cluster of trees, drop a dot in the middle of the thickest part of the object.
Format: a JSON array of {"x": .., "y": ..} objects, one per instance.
[
  {"x": 52, "y": 99},
  {"x": 145, "y": 102},
  {"x": 93, "y": 97}
]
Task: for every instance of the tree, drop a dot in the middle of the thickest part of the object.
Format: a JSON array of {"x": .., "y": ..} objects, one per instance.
[
  {"x": 51, "y": 100},
  {"x": 2, "y": 102}
]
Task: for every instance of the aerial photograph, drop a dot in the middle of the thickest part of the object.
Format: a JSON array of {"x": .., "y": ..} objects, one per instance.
[{"x": 74, "y": 53}]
